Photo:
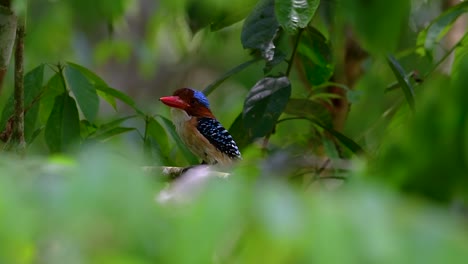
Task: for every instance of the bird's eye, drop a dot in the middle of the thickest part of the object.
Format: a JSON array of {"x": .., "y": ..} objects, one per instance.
[{"x": 192, "y": 102}]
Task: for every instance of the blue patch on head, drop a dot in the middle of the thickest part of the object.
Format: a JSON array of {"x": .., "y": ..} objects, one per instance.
[{"x": 201, "y": 98}]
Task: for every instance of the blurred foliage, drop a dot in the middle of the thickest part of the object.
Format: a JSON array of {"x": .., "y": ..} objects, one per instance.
[{"x": 279, "y": 71}]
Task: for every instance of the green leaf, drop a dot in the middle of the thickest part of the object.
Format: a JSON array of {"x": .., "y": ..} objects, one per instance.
[
  {"x": 260, "y": 29},
  {"x": 307, "y": 108},
  {"x": 460, "y": 54},
  {"x": 53, "y": 88},
  {"x": 84, "y": 91},
  {"x": 330, "y": 148},
  {"x": 113, "y": 132},
  {"x": 295, "y": 14},
  {"x": 32, "y": 90},
  {"x": 236, "y": 13},
  {"x": 97, "y": 82},
  {"x": 114, "y": 123},
  {"x": 264, "y": 104},
  {"x": 100, "y": 132},
  {"x": 36, "y": 133},
  {"x": 92, "y": 77},
  {"x": 315, "y": 54},
  {"x": 157, "y": 143},
  {"x": 279, "y": 57},
  {"x": 109, "y": 99},
  {"x": 87, "y": 129},
  {"x": 170, "y": 128},
  {"x": 403, "y": 80},
  {"x": 121, "y": 96},
  {"x": 63, "y": 126},
  {"x": 346, "y": 141},
  {"x": 432, "y": 34}
]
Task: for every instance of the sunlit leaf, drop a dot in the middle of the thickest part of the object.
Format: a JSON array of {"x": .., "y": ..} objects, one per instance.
[
  {"x": 432, "y": 34},
  {"x": 295, "y": 14},
  {"x": 264, "y": 104},
  {"x": 84, "y": 91},
  {"x": 403, "y": 80},
  {"x": 63, "y": 126},
  {"x": 260, "y": 29}
]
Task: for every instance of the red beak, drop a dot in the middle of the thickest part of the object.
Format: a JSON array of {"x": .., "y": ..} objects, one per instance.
[{"x": 174, "y": 101}]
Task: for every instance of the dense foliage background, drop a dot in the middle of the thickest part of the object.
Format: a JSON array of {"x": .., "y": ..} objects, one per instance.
[{"x": 351, "y": 117}]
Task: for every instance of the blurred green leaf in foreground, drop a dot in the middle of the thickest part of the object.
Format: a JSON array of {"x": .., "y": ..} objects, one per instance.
[{"x": 100, "y": 208}]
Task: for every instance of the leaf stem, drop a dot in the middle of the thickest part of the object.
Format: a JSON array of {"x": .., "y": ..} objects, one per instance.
[{"x": 296, "y": 44}]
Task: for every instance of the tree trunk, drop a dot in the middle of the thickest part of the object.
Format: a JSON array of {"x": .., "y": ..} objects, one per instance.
[{"x": 7, "y": 39}]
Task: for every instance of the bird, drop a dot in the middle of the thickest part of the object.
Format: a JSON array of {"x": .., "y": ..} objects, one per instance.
[{"x": 199, "y": 129}]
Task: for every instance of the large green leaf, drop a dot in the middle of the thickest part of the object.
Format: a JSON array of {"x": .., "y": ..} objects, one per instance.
[
  {"x": 53, "y": 88},
  {"x": 260, "y": 29},
  {"x": 295, "y": 14},
  {"x": 84, "y": 91},
  {"x": 121, "y": 96},
  {"x": 431, "y": 35},
  {"x": 403, "y": 80},
  {"x": 32, "y": 89},
  {"x": 63, "y": 126},
  {"x": 97, "y": 82},
  {"x": 315, "y": 54},
  {"x": 264, "y": 104}
]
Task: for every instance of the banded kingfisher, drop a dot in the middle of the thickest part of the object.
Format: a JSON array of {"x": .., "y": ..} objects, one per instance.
[{"x": 199, "y": 129}]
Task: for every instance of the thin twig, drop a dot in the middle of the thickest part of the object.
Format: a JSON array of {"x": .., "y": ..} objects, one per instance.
[
  {"x": 210, "y": 88},
  {"x": 296, "y": 44},
  {"x": 18, "y": 134}
]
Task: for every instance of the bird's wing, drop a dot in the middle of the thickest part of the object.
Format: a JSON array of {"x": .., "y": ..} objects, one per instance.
[{"x": 217, "y": 135}]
